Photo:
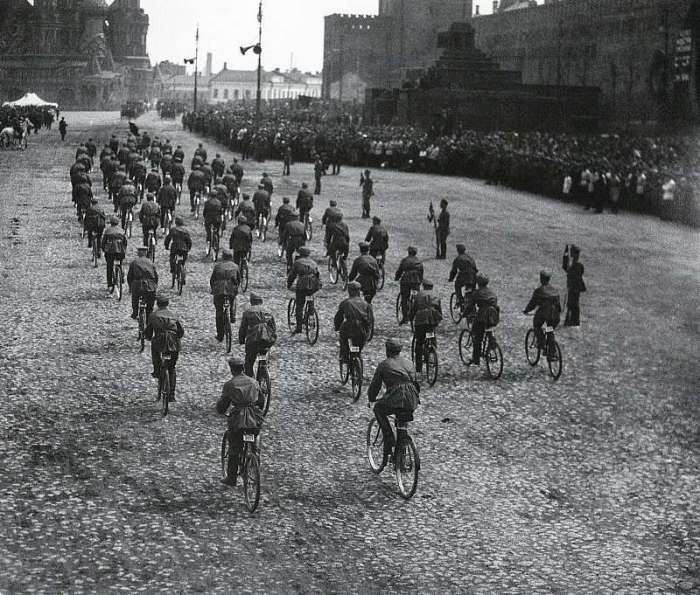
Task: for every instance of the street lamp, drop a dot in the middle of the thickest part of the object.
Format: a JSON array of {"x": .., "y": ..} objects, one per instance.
[
  {"x": 195, "y": 61},
  {"x": 257, "y": 49}
]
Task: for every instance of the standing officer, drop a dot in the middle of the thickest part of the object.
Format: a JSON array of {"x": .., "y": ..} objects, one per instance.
[
  {"x": 575, "y": 286},
  {"x": 318, "y": 172},
  {"x": 546, "y": 299},
  {"x": 305, "y": 272},
  {"x": 443, "y": 230},
  {"x": 366, "y": 270},
  {"x": 224, "y": 282},
  {"x": 143, "y": 282},
  {"x": 410, "y": 274}
]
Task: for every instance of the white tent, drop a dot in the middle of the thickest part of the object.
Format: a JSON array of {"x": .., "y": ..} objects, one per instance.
[{"x": 30, "y": 100}]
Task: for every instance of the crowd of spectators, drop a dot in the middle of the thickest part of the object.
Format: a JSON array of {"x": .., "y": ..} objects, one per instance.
[
  {"x": 652, "y": 174},
  {"x": 27, "y": 118}
]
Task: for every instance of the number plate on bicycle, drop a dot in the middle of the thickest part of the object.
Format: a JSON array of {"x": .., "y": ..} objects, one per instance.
[
  {"x": 248, "y": 437},
  {"x": 310, "y": 298},
  {"x": 354, "y": 349},
  {"x": 429, "y": 335},
  {"x": 263, "y": 357},
  {"x": 548, "y": 329}
]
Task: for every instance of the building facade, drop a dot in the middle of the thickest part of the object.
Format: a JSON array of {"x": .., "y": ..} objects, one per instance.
[
  {"x": 241, "y": 85},
  {"x": 83, "y": 54}
]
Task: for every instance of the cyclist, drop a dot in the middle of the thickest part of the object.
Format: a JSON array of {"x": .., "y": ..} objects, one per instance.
[
  {"x": 167, "y": 197},
  {"x": 224, "y": 282},
  {"x": 195, "y": 183},
  {"x": 205, "y": 168},
  {"x": 138, "y": 175},
  {"x": 178, "y": 154},
  {"x": 83, "y": 197},
  {"x": 241, "y": 240},
  {"x": 127, "y": 200},
  {"x": 305, "y": 272},
  {"x": 177, "y": 172},
  {"x": 155, "y": 155},
  {"x": 218, "y": 166},
  {"x": 285, "y": 214},
  {"x": 106, "y": 168},
  {"x": 401, "y": 395},
  {"x": 153, "y": 181},
  {"x": 266, "y": 183},
  {"x": 166, "y": 163},
  {"x": 261, "y": 202},
  {"x": 330, "y": 216},
  {"x": 179, "y": 242},
  {"x": 487, "y": 315},
  {"x": 366, "y": 270},
  {"x": 164, "y": 330},
  {"x": 143, "y": 282},
  {"x": 294, "y": 236},
  {"x": 229, "y": 180},
  {"x": 149, "y": 216},
  {"x": 243, "y": 399},
  {"x": 352, "y": 320},
  {"x": 410, "y": 274},
  {"x": 114, "y": 244},
  {"x": 339, "y": 239},
  {"x": 247, "y": 209},
  {"x": 305, "y": 202},
  {"x": 426, "y": 314},
  {"x": 91, "y": 148},
  {"x": 463, "y": 273},
  {"x": 201, "y": 152},
  {"x": 258, "y": 332},
  {"x": 212, "y": 216},
  {"x": 546, "y": 299},
  {"x": 377, "y": 238},
  {"x": 95, "y": 220}
]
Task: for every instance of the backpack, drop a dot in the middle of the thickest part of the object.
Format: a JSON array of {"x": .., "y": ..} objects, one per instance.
[
  {"x": 266, "y": 332},
  {"x": 492, "y": 316}
]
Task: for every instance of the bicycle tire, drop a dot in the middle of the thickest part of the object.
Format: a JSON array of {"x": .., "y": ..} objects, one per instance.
[
  {"x": 382, "y": 278},
  {"x": 370, "y": 336},
  {"x": 227, "y": 329},
  {"x": 398, "y": 308},
  {"x": 291, "y": 314},
  {"x": 332, "y": 270},
  {"x": 455, "y": 309},
  {"x": 263, "y": 378},
  {"x": 165, "y": 389},
  {"x": 311, "y": 325},
  {"x": 431, "y": 365},
  {"x": 120, "y": 283},
  {"x": 356, "y": 378},
  {"x": 532, "y": 351},
  {"x": 344, "y": 370},
  {"x": 142, "y": 333},
  {"x": 152, "y": 249},
  {"x": 554, "y": 361},
  {"x": 263, "y": 231},
  {"x": 413, "y": 349},
  {"x": 251, "y": 479},
  {"x": 406, "y": 467},
  {"x": 244, "y": 279},
  {"x": 95, "y": 259},
  {"x": 494, "y": 359},
  {"x": 208, "y": 244},
  {"x": 343, "y": 274},
  {"x": 225, "y": 453},
  {"x": 308, "y": 231},
  {"x": 375, "y": 447},
  {"x": 465, "y": 343}
]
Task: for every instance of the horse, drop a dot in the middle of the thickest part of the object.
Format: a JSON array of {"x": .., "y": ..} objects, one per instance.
[{"x": 13, "y": 137}]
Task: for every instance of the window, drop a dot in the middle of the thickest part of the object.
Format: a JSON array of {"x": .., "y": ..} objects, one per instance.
[
  {"x": 226, "y": 94},
  {"x": 216, "y": 93},
  {"x": 236, "y": 94}
]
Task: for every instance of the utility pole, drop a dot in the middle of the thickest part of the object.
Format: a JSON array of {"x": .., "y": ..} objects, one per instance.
[
  {"x": 258, "y": 96},
  {"x": 196, "y": 66}
]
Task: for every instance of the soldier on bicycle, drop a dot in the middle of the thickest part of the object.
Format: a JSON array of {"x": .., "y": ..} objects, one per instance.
[
  {"x": 143, "y": 282},
  {"x": 261, "y": 202},
  {"x": 195, "y": 183},
  {"x": 164, "y": 330},
  {"x": 285, "y": 214},
  {"x": 426, "y": 314},
  {"x": 305, "y": 272},
  {"x": 294, "y": 237},
  {"x": 241, "y": 240},
  {"x": 410, "y": 275},
  {"x": 401, "y": 395},
  {"x": 212, "y": 216},
  {"x": 243, "y": 398},
  {"x": 366, "y": 270},
  {"x": 487, "y": 314},
  {"x": 179, "y": 242},
  {"x": 266, "y": 183},
  {"x": 247, "y": 209},
  {"x": 218, "y": 167},
  {"x": 305, "y": 201},
  {"x": 331, "y": 215},
  {"x": 127, "y": 200},
  {"x": 339, "y": 239},
  {"x": 167, "y": 197},
  {"x": 114, "y": 244},
  {"x": 377, "y": 238},
  {"x": 463, "y": 273},
  {"x": 546, "y": 299},
  {"x": 149, "y": 216},
  {"x": 352, "y": 320},
  {"x": 95, "y": 220},
  {"x": 257, "y": 332},
  {"x": 224, "y": 282}
]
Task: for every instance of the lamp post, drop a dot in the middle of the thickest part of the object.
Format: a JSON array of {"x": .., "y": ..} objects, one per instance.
[
  {"x": 195, "y": 61},
  {"x": 257, "y": 49}
]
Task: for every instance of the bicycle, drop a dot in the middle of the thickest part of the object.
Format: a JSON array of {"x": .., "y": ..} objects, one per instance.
[
  {"x": 309, "y": 318},
  {"x": 81, "y": 218},
  {"x": 95, "y": 249},
  {"x": 117, "y": 279},
  {"x": 151, "y": 243},
  {"x": 229, "y": 318},
  {"x": 462, "y": 309},
  {"x": 244, "y": 274},
  {"x": 404, "y": 456},
  {"x": 308, "y": 227},
  {"x": 262, "y": 375},
  {"x": 197, "y": 203},
  {"x": 178, "y": 189},
  {"x": 168, "y": 221},
  {"x": 248, "y": 466},
  {"x": 166, "y": 391},
  {"x": 129, "y": 222},
  {"x": 261, "y": 227},
  {"x": 179, "y": 273},
  {"x": 352, "y": 369},
  {"x": 490, "y": 351},
  {"x": 337, "y": 269},
  {"x": 381, "y": 260},
  {"x": 551, "y": 349},
  {"x": 214, "y": 243},
  {"x": 411, "y": 299},
  {"x": 142, "y": 324},
  {"x": 430, "y": 357}
]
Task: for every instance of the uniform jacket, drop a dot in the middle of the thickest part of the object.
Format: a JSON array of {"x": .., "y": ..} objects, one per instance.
[
  {"x": 218, "y": 165},
  {"x": 177, "y": 172},
  {"x": 366, "y": 270},
  {"x": 331, "y": 215},
  {"x": 127, "y": 196},
  {"x": 153, "y": 182},
  {"x": 295, "y": 231},
  {"x": 95, "y": 217},
  {"x": 354, "y": 313},
  {"x": 247, "y": 209},
  {"x": 285, "y": 214},
  {"x": 242, "y": 395},
  {"x": 443, "y": 221},
  {"x": 545, "y": 298},
  {"x": 410, "y": 271},
  {"x": 167, "y": 196},
  {"x": 164, "y": 331},
  {"x": 340, "y": 233},
  {"x": 378, "y": 237},
  {"x": 178, "y": 240},
  {"x": 367, "y": 187},
  {"x": 305, "y": 272},
  {"x": 114, "y": 240},
  {"x": 261, "y": 200},
  {"x": 252, "y": 317},
  {"x": 149, "y": 213},
  {"x": 212, "y": 210},
  {"x": 426, "y": 310},
  {"x": 484, "y": 298},
  {"x": 398, "y": 376},
  {"x": 574, "y": 277},
  {"x": 117, "y": 180},
  {"x": 229, "y": 180},
  {"x": 266, "y": 183},
  {"x": 196, "y": 181},
  {"x": 142, "y": 276},
  {"x": 241, "y": 238},
  {"x": 305, "y": 200},
  {"x": 464, "y": 269},
  {"x": 225, "y": 278}
]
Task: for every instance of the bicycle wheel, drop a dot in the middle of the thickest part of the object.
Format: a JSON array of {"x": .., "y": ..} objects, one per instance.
[
  {"x": 263, "y": 231},
  {"x": 225, "y": 452},
  {"x": 455, "y": 309},
  {"x": 180, "y": 278},
  {"x": 142, "y": 331},
  {"x": 344, "y": 372},
  {"x": 370, "y": 336},
  {"x": 356, "y": 378},
  {"x": 554, "y": 361},
  {"x": 227, "y": 329},
  {"x": 119, "y": 283},
  {"x": 251, "y": 479},
  {"x": 209, "y": 248},
  {"x": 406, "y": 467},
  {"x": 532, "y": 351},
  {"x": 308, "y": 231},
  {"x": 291, "y": 314},
  {"x": 382, "y": 278},
  {"x": 465, "y": 346},
  {"x": 398, "y": 308},
  {"x": 343, "y": 274},
  {"x": 332, "y": 270},
  {"x": 311, "y": 325},
  {"x": 413, "y": 349},
  {"x": 263, "y": 378},
  {"x": 375, "y": 447},
  {"x": 94, "y": 253},
  {"x": 494, "y": 359},
  {"x": 431, "y": 365},
  {"x": 164, "y": 392},
  {"x": 152, "y": 249},
  {"x": 244, "y": 279}
]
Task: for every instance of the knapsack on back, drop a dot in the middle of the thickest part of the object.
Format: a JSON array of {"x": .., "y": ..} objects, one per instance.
[{"x": 266, "y": 332}]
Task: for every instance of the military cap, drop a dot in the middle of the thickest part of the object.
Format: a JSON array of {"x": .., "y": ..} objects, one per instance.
[
  {"x": 393, "y": 346},
  {"x": 304, "y": 251},
  {"x": 364, "y": 246},
  {"x": 304, "y": 185},
  {"x": 575, "y": 249},
  {"x": 264, "y": 175},
  {"x": 354, "y": 286},
  {"x": 482, "y": 279},
  {"x": 545, "y": 274},
  {"x": 255, "y": 299},
  {"x": 162, "y": 299},
  {"x": 412, "y": 250},
  {"x": 333, "y": 203},
  {"x": 246, "y": 196},
  {"x": 444, "y": 202},
  {"x": 461, "y": 247},
  {"x": 150, "y": 196},
  {"x": 236, "y": 362},
  {"x": 427, "y": 284},
  {"x": 376, "y": 220},
  {"x": 142, "y": 249},
  {"x": 285, "y": 200},
  {"x": 179, "y": 220}
]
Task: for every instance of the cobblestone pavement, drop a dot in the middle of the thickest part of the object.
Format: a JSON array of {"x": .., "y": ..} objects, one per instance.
[{"x": 586, "y": 485}]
